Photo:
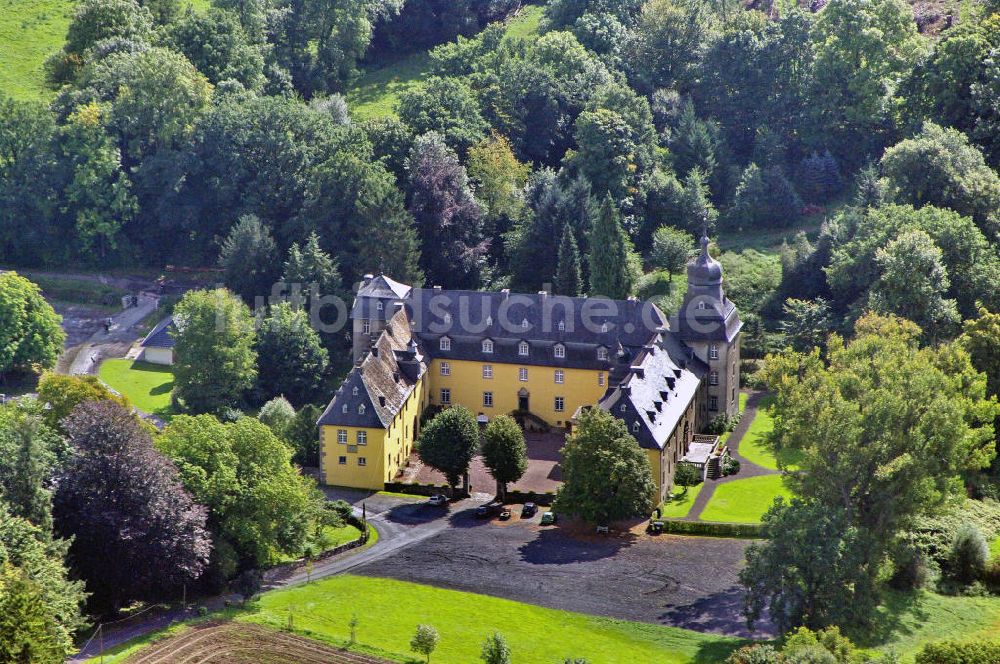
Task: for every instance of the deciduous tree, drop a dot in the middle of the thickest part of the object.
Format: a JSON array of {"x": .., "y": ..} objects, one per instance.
[
  {"x": 448, "y": 442},
  {"x": 31, "y": 334},
  {"x": 249, "y": 259},
  {"x": 424, "y": 641},
  {"x": 606, "y": 475},
  {"x": 215, "y": 361},
  {"x": 291, "y": 358},
  {"x": 505, "y": 454},
  {"x": 121, "y": 500}
]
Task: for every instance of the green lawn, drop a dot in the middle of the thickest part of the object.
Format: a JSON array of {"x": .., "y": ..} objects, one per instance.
[
  {"x": 995, "y": 549},
  {"x": 30, "y": 31},
  {"x": 389, "y": 611},
  {"x": 146, "y": 385},
  {"x": 744, "y": 501},
  {"x": 329, "y": 538},
  {"x": 909, "y": 621},
  {"x": 754, "y": 446},
  {"x": 377, "y": 92},
  {"x": 679, "y": 506}
]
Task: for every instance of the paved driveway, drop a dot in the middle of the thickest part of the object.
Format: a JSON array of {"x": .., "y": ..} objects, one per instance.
[
  {"x": 681, "y": 581},
  {"x": 543, "y": 474}
]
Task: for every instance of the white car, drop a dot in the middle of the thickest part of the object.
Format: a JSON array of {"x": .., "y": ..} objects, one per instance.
[{"x": 438, "y": 500}]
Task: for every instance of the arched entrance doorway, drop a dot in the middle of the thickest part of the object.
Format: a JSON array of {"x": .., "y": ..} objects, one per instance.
[{"x": 523, "y": 402}]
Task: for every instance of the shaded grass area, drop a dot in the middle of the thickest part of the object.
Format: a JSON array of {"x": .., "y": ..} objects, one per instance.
[
  {"x": 79, "y": 291},
  {"x": 744, "y": 501},
  {"x": 390, "y": 610},
  {"x": 147, "y": 386},
  {"x": 995, "y": 549},
  {"x": 678, "y": 506},
  {"x": 908, "y": 621},
  {"x": 329, "y": 538},
  {"x": 377, "y": 92},
  {"x": 756, "y": 447}
]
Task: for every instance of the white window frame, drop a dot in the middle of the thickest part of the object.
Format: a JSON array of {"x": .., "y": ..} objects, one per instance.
[
  {"x": 602, "y": 354},
  {"x": 713, "y": 378},
  {"x": 366, "y": 326},
  {"x": 488, "y": 371},
  {"x": 380, "y": 305},
  {"x": 445, "y": 396},
  {"x": 522, "y": 374},
  {"x": 362, "y": 461},
  {"x": 445, "y": 343},
  {"x": 487, "y": 399},
  {"x": 560, "y": 376},
  {"x": 342, "y": 436},
  {"x": 523, "y": 349},
  {"x": 600, "y": 378},
  {"x": 361, "y": 409},
  {"x": 559, "y": 351},
  {"x": 343, "y": 408},
  {"x": 445, "y": 368},
  {"x": 562, "y": 326},
  {"x": 487, "y": 345},
  {"x": 560, "y": 404},
  {"x": 362, "y": 438},
  {"x": 713, "y": 352},
  {"x": 635, "y": 427}
]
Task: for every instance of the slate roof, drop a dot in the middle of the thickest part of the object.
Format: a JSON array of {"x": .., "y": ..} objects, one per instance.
[
  {"x": 376, "y": 289},
  {"x": 161, "y": 336},
  {"x": 580, "y": 325},
  {"x": 662, "y": 381},
  {"x": 375, "y": 391}
]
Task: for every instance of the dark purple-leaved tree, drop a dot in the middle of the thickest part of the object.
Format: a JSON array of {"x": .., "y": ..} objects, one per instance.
[
  {"x": 137, "y": 535},
  {"x": 448, "y": 217}
]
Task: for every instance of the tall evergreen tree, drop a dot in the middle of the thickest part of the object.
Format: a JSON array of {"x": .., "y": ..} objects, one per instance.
[
  {"x": 568, "y": 278},
  {"x": 249, "y": 258},
  {"x": 388, "y": 240},
  {"x": 311, "y": 267},
  {"x": 610, "y": 274}
]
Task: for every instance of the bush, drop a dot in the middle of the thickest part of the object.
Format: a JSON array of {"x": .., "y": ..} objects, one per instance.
[
  {"x": 687, "y": 474},
  {"x": 969, "y": 554},
  {"x": 714, "y": 529},
  {"x": 730, "y": 466},
  {"x": 756, "y": 654},
  {"x": 952, "y": 652},
  {"x": 912, "y": 569}
]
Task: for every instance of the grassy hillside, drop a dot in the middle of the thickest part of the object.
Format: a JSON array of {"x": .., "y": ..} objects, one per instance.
[
  {"x": 377, "y": 92},
  {"x": 30, "y": 30}
]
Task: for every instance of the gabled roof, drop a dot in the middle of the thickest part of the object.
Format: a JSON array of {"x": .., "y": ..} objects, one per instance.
[
  {"x": 662, "y": 381},
  {"x": 384, "y": 380},
  {"x": 378, "y": 290},
  {"x": 161, "y": 336}
]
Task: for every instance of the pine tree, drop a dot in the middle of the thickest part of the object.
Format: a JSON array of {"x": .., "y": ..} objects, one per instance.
[
  {"x": 388, "y": 242},
  {"x": 312, "y": 268},
  {"x": 610, "y": 274},
  {"x": 568, "y": 279}
]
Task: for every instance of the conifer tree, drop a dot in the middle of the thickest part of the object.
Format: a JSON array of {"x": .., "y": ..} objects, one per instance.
[
  {"x": 610, "y": 274},
  {"x": 389, "y": 241},
  {"x": 568, "y": 279}
]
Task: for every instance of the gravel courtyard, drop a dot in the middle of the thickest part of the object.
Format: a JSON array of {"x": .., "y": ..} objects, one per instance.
[{"x": 681, "y": 581}]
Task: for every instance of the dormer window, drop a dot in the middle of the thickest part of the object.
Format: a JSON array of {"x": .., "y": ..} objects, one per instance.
[
  {"x": 702, "y": 305},
  {"x": 635, "y": 427},
  {"x": 343, "y": 408},
  {"x": 489, "y": 321},
  {"x": 562, "y": 326},
  {"x": 522, "y": 349},
  {"x": 559, "y": 351},
  {"x": 380, "y": 306},
  {"x": 445, "y": 343},
  {"x": 623, "y": 408},
  {"x": 604, "y": 327},
  {"x": 602, "y": 354},
  {"x": 355, "y": 391},
  {"x": 524, "y": 324},
  {"x": 447, "y": 318},
  {"x": 361, "y": 409},
  {"x": 487, "y": 345}
]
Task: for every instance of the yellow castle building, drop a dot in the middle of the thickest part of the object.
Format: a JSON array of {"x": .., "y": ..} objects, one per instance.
[{"x": 542, "y": 356}]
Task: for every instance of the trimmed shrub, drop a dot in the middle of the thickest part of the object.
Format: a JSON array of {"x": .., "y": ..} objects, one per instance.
[
  {"x": 969, "y": 554},
  {"x": 714, "y": 529}
]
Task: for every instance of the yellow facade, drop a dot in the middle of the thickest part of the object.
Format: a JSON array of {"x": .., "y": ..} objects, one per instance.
[
  {"x": 469, "y": 382},
  {"x": 346, "y": 461}
]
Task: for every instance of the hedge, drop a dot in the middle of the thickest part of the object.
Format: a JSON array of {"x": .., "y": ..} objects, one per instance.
[
  {"x": 423, "y": 489},
  {"x": 714, "y": 529},
  {"x": 953, "y": 652}
]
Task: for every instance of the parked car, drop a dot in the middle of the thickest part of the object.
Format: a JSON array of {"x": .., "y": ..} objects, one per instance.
[
  {"x": 529, "y": 510},
  {"x": 505, "y": 514},
  {"x": 488, "y": 510},
  {"x": 548, "y": 518},
  {"x": 438, "y": 500}
]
